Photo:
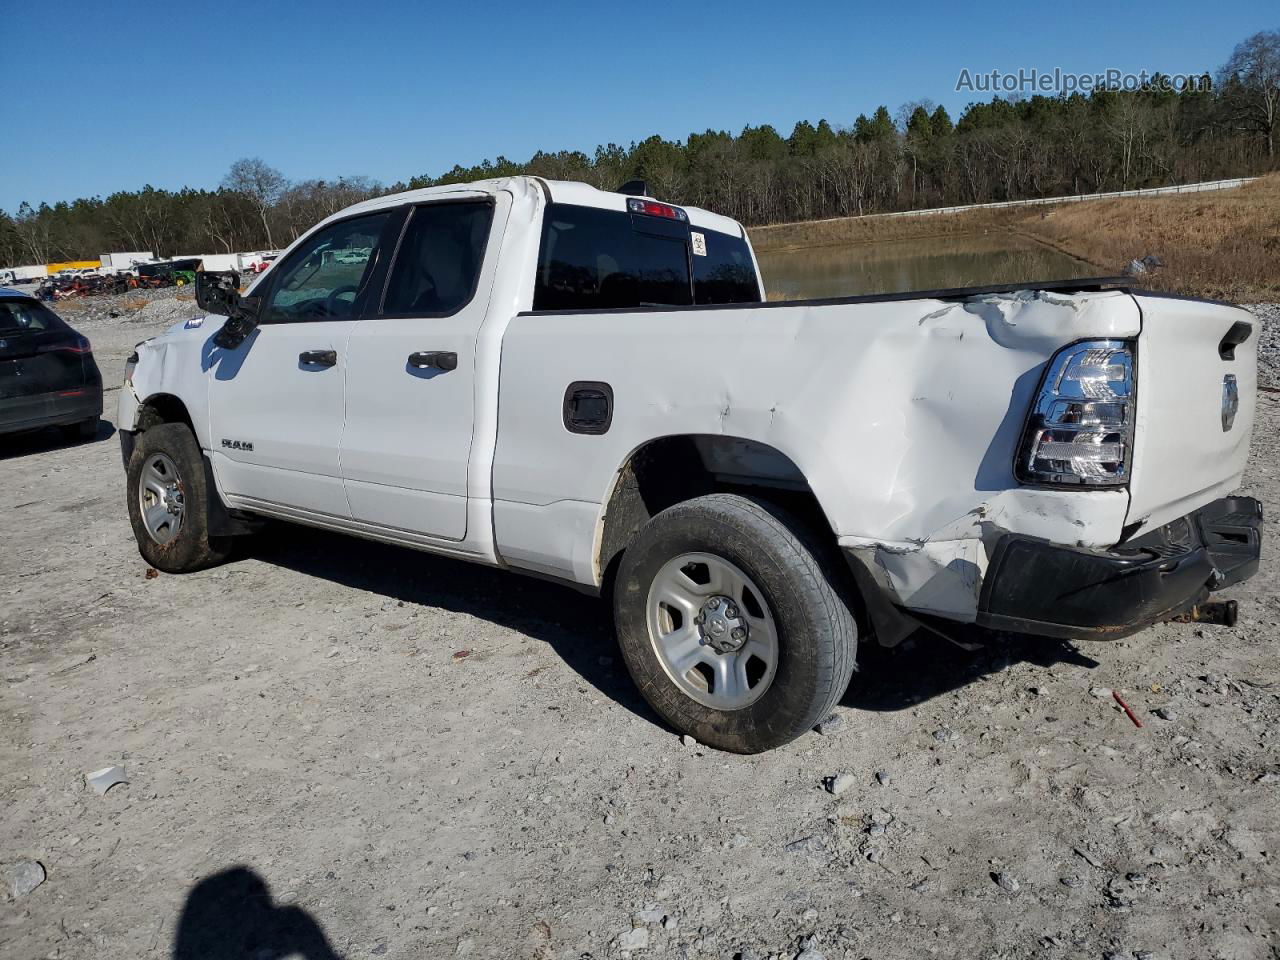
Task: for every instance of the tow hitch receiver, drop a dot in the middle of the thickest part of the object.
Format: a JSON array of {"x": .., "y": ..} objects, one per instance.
[{"x": 1221, "y": 612}]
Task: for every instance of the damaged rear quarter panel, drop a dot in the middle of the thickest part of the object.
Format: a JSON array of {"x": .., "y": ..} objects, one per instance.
[{"x": 904, "y": 416}]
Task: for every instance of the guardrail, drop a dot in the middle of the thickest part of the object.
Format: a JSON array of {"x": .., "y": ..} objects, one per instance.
[{"x": 1201, "y": 187}]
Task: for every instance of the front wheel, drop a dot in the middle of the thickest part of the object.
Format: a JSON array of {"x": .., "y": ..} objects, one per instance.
[
  {"x": 732, "y": 627},
  {"x": 168, "y": 501}
]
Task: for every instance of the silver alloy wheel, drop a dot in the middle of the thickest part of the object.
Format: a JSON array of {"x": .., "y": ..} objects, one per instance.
[
  {"x": 712, "y": 631},
  {"x": 160, "y": 497}
]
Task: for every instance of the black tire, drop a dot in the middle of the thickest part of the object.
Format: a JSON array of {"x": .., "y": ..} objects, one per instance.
[
  {"x": 817, "y": 631},
  {"x": 191, "y": 547}
]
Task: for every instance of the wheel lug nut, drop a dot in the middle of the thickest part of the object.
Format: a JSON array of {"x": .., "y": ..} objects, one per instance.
[{"x": 738, "y": 633}]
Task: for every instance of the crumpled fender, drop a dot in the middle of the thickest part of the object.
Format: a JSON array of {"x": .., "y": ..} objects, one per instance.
[{"x": 173, "y": 364}]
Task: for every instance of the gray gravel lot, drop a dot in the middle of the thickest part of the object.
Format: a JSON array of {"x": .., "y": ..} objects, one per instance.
[{"x": 335, "y": 747}]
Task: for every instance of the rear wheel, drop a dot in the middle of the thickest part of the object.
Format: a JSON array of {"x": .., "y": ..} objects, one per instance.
[
  {"x": 732, "y": 627},
  {"x": 168, "y": 501}
]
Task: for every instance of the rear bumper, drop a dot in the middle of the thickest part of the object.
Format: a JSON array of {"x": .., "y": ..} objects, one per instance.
[
  {"x": 18, "y": 414},
  {"x": 1036, "y": 587}
]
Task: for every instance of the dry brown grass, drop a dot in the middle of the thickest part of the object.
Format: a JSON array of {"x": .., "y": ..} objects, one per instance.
[{"x": 1223, "y": 244}]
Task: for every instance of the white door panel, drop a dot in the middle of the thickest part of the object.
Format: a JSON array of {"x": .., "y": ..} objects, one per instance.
[
  {"x": 276, "y": 421},
  {"x": 277, "y": 401},
  {"x": 408, "y": 430}
]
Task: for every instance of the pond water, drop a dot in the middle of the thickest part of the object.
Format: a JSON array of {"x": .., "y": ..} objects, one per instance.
[{"x": 895, "y": 266}]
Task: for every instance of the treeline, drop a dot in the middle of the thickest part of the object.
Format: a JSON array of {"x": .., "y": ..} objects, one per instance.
[
  {"x": 230, "y": 219},
  {"x": 1005, "y": 149}
]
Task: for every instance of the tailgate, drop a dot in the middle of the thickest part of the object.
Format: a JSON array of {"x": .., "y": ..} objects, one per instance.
[{"x": 1188, "y": 450}]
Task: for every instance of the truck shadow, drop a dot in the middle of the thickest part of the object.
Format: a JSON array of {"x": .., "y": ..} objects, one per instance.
[
  {"x": 231, "y": 916},
  {"x": 578, "y": 627},
  {"x": 925, "y": 666}
]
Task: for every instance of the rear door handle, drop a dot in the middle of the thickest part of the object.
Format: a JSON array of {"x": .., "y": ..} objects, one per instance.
[
  {"x": 434, "y": 359},
  {"x": 318, "y": 358}
]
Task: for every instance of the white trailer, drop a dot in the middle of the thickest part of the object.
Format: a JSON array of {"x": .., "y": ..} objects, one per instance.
[
  {"x": 219, "y": 262},
  {"x": 120, "y": 262}
]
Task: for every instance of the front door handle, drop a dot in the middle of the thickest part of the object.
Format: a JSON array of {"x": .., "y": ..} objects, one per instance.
[
  {"x": 434, "y": 359},
  {"x": 318, "y": 358}
]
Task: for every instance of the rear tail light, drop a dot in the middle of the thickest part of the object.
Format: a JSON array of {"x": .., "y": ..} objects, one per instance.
[
  {"x": 655, "y": 209},
  {"x": 1080, "y": 431},
  {"x": 76, "y": 344}
]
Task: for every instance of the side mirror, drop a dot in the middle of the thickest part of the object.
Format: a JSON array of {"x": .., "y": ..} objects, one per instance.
[
  {"x": 242, "y": 319},
  {"x": 217, "y": 292}
]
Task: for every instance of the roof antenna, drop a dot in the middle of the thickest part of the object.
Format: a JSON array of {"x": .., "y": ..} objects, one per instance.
[{"x": 634, "y": 188}]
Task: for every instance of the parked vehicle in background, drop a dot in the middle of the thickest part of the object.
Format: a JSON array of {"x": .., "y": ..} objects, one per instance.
[
  {"x": 178, "y": 272},
  {"x": 588, "y": 386},
  {"x": 255, "y": 262},
  {"x": 48, "y": 376},
  {"x": 28, "y": 274}
]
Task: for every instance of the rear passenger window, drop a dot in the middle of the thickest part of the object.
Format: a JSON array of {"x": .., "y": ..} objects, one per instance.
[
  {"x": 726, "y": 274},
  {"x": 594, "y": 259},
  {"x": 438, "y": 266},
  {"x": 25, "y": 316}
]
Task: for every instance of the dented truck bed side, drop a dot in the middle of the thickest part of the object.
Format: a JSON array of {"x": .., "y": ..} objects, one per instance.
[{"x": 902, "y": 416}]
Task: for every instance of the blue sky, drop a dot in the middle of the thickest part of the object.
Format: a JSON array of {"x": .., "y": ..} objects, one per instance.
[{"x": 171, "y": 94}]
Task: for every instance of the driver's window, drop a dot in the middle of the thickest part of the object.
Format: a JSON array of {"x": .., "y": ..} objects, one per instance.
[{"x": 322, "y": 278}]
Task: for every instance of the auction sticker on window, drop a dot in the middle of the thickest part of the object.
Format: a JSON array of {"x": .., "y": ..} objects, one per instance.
[{"x": 699, "y": 244}]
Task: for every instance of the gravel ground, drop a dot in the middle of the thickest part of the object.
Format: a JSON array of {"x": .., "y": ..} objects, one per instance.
[
  {"x": 338, "y": 748},
  {"x": 1269, "y": 345}
]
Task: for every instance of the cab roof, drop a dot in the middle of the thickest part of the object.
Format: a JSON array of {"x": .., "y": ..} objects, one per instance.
[{"x": 558, "y": 191}]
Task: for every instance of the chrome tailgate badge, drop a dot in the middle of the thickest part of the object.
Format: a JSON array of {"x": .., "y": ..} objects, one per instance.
[{"x": 1230, "y": 401}]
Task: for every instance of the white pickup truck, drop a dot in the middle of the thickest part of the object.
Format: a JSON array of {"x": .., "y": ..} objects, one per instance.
[{"x": 589, "y": 386}]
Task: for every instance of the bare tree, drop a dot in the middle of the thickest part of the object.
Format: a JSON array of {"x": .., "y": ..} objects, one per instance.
[
  {"x": 34, "y": 234},
  {"x": 1252, "y": 80},
  {"x": 262, "y": 184}
]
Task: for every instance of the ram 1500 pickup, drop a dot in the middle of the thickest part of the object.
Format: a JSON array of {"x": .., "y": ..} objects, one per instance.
[{"x": 590, "y": 386}]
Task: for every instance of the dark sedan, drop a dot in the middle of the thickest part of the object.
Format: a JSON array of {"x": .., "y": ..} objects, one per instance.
[{"x": 47, "y": 374}]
